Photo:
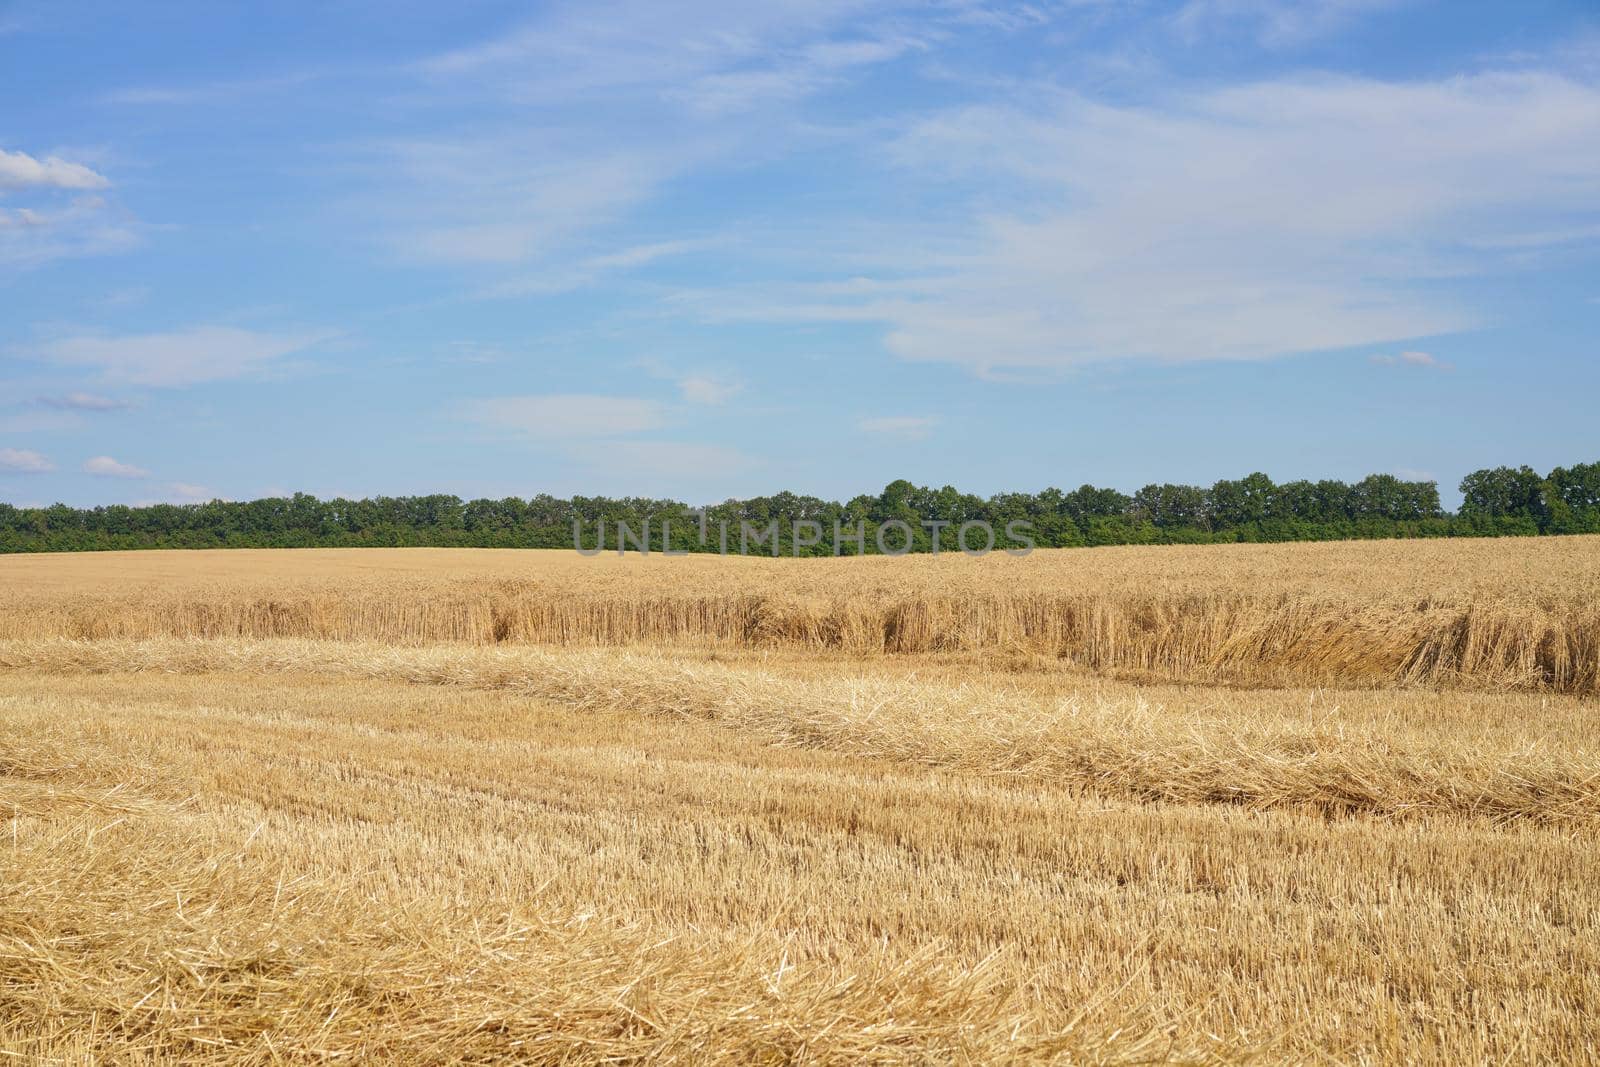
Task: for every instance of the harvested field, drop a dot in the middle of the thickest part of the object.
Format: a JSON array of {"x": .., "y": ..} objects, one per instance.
[
  {"x": 1489, "y": 614},
  {"x": 335, "y": 819}
]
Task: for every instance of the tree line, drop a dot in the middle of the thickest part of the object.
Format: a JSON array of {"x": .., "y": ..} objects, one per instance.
[{"x": 1501, "y": 501}]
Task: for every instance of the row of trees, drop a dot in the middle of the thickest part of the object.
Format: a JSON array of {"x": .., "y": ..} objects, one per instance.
[{"x": 1496, "y": 502}]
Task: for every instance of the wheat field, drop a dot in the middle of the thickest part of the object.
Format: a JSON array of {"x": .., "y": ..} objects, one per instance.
[
  {"x": 1306, "y": 803},
  {"x": 1523, "y": 614}
]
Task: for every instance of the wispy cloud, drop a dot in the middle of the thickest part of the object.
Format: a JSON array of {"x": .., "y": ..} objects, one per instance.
[
  {"x": 184, "y": 493},
  {"x": 214, "y": 92},
  {"x": 566, "y": 277},
  {"x": 474, "y": 353},
  {"x": 194, "y": 356},
  {"x": 568, "y": 51},
  {"x": 66, "y": 216},
  {"x": 84, "y": 402},
  {"x": 695, "y": 387},
  {"x": 641, "y": 255},
  {"x": 568, "y": 416},
  {"x": 1412, "y": 359},
  {"x": 84, "y": 226},
  {"x": 705, "y": 389},
  {"x": 31, "y": 422},
  {"x": 1275, "y": 23},
  {"x": 189, "y": 491},
  {"x": 506, "y": 200},
  {"x": 790, "y": 76},
  {"x": 106, "y": 467},
  {"x": 903, "y": 427},
  {"x": 18, "y": 170},
  {"x": 678, "y": 87},
  {"x": 24, "y": 461},
  {"x": 1241, "y": 224}
]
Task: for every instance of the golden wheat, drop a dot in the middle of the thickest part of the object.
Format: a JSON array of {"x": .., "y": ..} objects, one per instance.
[
  {"x": 488, "y": 807},
  {"x": 259, "y": 866},
  {"x": 1522, "y": 614},
  {"x": 1396, "y": 755}
]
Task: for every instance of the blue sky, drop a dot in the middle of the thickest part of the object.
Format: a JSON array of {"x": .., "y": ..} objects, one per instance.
[{"x": 715, "y": 249}]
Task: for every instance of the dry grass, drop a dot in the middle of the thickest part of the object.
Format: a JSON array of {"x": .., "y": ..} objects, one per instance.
[
  {"x": 235, "y": 865},
  {"x": 228, "y": 843},
  {"x": 1519, "y": 613},
  {"x": 284, "y": 885},
  {"x": 1338, "y": 753}
]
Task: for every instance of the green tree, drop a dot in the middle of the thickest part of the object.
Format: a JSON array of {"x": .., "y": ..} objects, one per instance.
[
  {"x": 1239, "y": 503},
  {"x": 1504, "y": 492},
  {"x": 1168, "y": 506}
]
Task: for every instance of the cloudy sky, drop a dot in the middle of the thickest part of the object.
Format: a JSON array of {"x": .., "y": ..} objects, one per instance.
[{"x": 705, "y": 249}]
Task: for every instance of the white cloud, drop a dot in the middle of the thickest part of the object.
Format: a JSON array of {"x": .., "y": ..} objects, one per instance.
[
  {"x": 1412, "y": 359},
  {"x": 704, "y": 389},
  {"x": 566, "y": 277},
  {"x": 475, "y": 353},
  {"x": 490, "y": 202},
  {"x": 607, "y": 112},
  {"x": 904, "y": 427},
  {"x": 24, "y": 461},
  {"x": 218, "y": 92},
  {"x": 21, "y": 217},
  {"x": 567, "y": 51},
  {"x": 18, "y": 170},
  {"x": 569, "y": 416},
  {"x": 107, "y": 467},
  {"x": 1276, "y": 23},
  {"x": 128, "y": 296},
  {"x": 190, "y": 491},
  {"x": 696, "y": 387},
  {"x": 185, "y": 357},
  {"x": 1246, "y": 223},
  {"x": 84, "y": 402},
  {"x": 788, "y": 77},
  {"x": 642, "y": 255},
  {"x": 86, "y": 226},
  {"x": 1423, "y": 359},
  {"x": 30, "y": 422},
  {"x": 186, "y": 493}
]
